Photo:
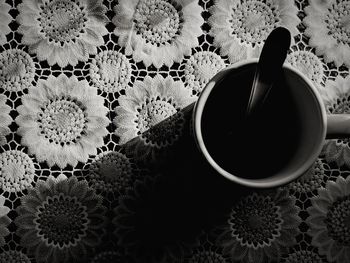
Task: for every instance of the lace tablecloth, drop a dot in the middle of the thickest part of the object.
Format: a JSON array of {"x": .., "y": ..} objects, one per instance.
[{"x": 96, "y": 160}]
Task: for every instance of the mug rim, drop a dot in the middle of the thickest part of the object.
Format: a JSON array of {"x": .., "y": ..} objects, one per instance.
[{"x": 256, "y": 183}]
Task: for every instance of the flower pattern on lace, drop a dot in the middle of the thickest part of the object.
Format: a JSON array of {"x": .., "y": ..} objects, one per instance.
[
  {"x": 62, "y": 31},
  {"x": 336, "y": 97},
  {"x": 158, "y": 32},
  {"x": 303, "y": 256},
  {"x": 240, "y": 28},
  {"x": 17, "y": 171},
  {"x": 110, "y": 71},
  {"x": 260, "y": 227},
  {"x": 14, "y": 256},
  {"x": 200, "y": 68},
  {"x": 152, "y": 111},
  {"x": 17, "y": 70},
  {"x": 5, "y": 119},
  {"x": 5, "y": 19},
  {"x": 207, "y": 256},
  {"x": 111, "y": 172},
  {"x": 329, "y": 220},
  {"x": 328, "y": 27},
  {"x": 206, "y": 252},
  {"x": 309, "y": 64},
  {"x": 311, "y": 180},
  {"x": 60, "y": 218},
  {"x": 4, "y": 221},
  {"x": 62, "y": 121}
]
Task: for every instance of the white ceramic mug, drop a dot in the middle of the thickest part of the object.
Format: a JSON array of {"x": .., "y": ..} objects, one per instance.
[{"x": 316, "y": 126}]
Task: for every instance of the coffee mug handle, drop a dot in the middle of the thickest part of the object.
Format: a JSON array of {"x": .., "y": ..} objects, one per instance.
[{"x": 338, "y": 126}]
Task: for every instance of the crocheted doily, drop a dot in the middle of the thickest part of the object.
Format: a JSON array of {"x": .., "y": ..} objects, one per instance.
[
  {"x": 14, "y": 256},
  {"x": 63, "y": 217},
  {"x": 93, "y": 96},
  {"x": 329, "y": 220},
  {"x": 259, "y": 227}
]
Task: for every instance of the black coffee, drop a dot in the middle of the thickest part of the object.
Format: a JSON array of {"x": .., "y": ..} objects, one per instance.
[{"x": 252, "y": 150}]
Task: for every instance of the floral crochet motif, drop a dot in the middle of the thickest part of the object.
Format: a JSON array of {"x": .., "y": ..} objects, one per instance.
[
  {"x": 206, "y": 252},
  {"x": 110, "y": 71},
  {"x": 328, "y": 27},
  {"x": 311, "y": 180},
  {"x": 240, "y": 28},
  {"x": 16, "y": 171},
  {"x": 158, "y": 31},
  {"x": 111, "y": 172},
  {"x": 14, "y": 256},
  {"x": 206, "y": 257},
  {"x": 152, "y": 111},
  {"x": 17, "y": 70},
  {"x": 336, "y": 98},
  {"x": 260, "y": 227},
  {"x": 5, "y": 119},
  {"x": 303, "y": 256},
  {"x": 51, "y": 214},
  {"x": 200, "y": 68},
  {"x": 62, "y": 121},
  {"x": 329, "y": 220},
  {"x": 309, "y": 64},
  {"x": 60, "y": 218},
  {"x": 62, "y": 31},
  {"x": 4, "y": 221},
  {"x": 5, "y": 19}
]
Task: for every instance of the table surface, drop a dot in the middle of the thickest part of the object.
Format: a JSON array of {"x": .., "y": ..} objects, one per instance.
[{"x": 97, "y": 161}]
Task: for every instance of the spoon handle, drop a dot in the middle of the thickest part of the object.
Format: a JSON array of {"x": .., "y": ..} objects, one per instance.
[{"x": 270, "y": 64}]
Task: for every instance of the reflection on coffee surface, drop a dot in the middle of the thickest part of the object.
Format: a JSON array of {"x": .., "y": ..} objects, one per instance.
[{"x": 257, "y": 149}]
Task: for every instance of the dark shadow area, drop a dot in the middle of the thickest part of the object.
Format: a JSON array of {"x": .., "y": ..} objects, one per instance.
[
  {"x": 162, "y": 216},
  {"x": 153, "y": 216}
]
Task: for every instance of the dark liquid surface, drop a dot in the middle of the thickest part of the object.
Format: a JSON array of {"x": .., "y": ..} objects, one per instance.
[{"x": 254, "y": 150}]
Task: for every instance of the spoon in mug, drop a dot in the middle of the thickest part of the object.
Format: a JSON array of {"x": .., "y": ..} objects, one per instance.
[{"x": 269, "y": 67}]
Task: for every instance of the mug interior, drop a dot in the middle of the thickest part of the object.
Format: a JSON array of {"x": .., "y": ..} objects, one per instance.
[{"x": 312, "y": 119}]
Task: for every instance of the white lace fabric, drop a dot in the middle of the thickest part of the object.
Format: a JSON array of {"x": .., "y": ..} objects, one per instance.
[
  {"x": 92, "y": 95},
  {"x": 158, "y": 32},
  {"x": 5, "y": 19},
  {"x": 62, "y": 32}
]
